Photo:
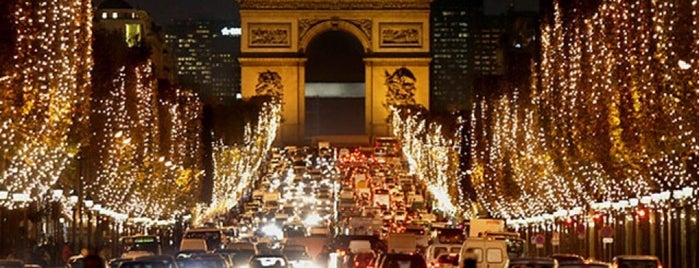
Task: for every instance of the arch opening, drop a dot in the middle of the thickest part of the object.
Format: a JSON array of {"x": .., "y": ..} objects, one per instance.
[{"x": 335, "y": 85}]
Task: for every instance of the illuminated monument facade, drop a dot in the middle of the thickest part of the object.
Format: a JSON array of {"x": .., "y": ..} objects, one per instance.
[{"x": 394, "y": 35}]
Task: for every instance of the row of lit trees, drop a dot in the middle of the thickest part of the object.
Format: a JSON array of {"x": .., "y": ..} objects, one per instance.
[
  {"x": 44, "y": 94},
  {"x": 610, "y": 118},
  {"x": 432, "y": 148},
  {"x": 113, "y": 134},
  {"x": 237, "y": 165},
  {"x": 148, "y": 146}
]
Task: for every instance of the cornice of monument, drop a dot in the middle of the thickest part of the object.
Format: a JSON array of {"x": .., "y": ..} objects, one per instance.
[{"x": 334, "y": 4}]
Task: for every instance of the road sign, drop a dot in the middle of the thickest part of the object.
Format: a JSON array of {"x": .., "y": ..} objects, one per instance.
[
  {"x": 607, "y": 231},
  {"x": 540, "y": 240},
  {"x": 580, "y": 229},
  {"x": 555, "y": 239}
]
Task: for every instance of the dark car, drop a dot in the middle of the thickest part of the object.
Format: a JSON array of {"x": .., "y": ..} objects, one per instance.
[
  {"x": 568, "y": 258},
  {"x": 11, "y": 263},
  {"x": 239, "y": 256},
  {"x": 532, "y": 263},
  {"x": 363, "y": 259},
  {"x": 204, "y": 261},
  {"x": 150, "y": 262},
  {"x": 637, "y": 261},
  {"x": 403, "y": 260}
]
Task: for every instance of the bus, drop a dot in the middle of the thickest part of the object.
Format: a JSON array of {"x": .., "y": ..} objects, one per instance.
[{"x": 140, "y": 245}]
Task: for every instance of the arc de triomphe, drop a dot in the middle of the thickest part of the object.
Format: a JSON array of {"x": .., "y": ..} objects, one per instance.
[{"x": 394, "y": 35}]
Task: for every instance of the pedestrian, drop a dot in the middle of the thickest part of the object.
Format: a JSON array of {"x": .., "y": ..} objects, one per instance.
[
  {"x": 12, "y": 255},
  {"x": 66, "y": 252}
]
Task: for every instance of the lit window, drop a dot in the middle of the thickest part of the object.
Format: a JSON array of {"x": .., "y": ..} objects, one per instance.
[
  {"x": 115, "y": 15},
  {"x": 104, "y": 15}
]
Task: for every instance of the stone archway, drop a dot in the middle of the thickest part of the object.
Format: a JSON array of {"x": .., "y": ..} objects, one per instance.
[
  {"x": 312, "y": 28},
  {"x": 335, "y": 85},
  {"x": 393, "y": 33}
]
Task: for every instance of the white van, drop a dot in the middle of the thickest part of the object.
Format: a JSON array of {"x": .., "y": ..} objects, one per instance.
[
  {"x": 487, "y": 252},
  {"x": 434, "y": 250}
]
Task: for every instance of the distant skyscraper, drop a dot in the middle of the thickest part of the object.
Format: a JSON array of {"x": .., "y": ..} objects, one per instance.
[
  {"x": 206, "y": 53},
  {"x": 472, "y": 52},
  {"x": 138, "y": 30},
  {"x": 452, "y": 25}
]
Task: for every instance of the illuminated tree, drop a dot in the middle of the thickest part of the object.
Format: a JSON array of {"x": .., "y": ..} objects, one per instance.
[
  {"x": 44, "y": 105},
  {"x": 236, "y": 165},
  {"x": 432, "y": 149},
  {"x": 610, "y": 115}
]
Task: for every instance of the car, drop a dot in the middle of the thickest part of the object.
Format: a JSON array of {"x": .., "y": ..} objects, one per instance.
[
  {"x": 387, "y": 215},
  {"x": 363, "y": 259},
  {"x": 445, "y": 260},
  {"x": 239, "y": 255},
  {"x": 402, "y": 260},
  {"x": 568, "y": 258},
  {"x": 202, "y": 260},
  {"x": 586, "y": 264},
  {"x": 11, "y": 263},
  {"x": 269, "y": 260},
  {"x": 401, "y": 215},
  {"x": 297, "y": 255},
  {"x": 538, "y": 262},
  {"x": 645, "y": 261},
  {"x": 436, "y": 249},
  {"x": 160, "y": 261}
]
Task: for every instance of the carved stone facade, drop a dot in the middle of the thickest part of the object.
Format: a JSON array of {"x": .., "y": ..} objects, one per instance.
[
  {"x": 394, "y": 34},
  {"x": 334, "y": 4}
]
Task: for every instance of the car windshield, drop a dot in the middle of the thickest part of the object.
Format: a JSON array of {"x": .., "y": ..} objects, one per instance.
[
  {"x": 638, "y": 264},
  {"x": 295, "y": 254}
]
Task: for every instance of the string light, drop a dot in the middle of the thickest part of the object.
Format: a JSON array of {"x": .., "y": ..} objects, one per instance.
[
  {"x": 610, "y": 117},
  {"x": 149, "y": 161},
  {"x": 235, "y": 166},
  {"x": 44, "y": 104},
  {"x": 433, "y": 154}
]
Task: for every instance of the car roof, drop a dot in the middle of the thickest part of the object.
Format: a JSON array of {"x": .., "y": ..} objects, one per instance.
[
  {"x": 636, "y": 257},
  {"x": 532, "y": 260}
]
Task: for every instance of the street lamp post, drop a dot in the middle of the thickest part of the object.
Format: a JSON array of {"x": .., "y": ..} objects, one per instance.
[
  {"x": 73, "y": 199},
  {"x": 88, "y": 206},
  {"x": 96, "y": 236},
  {"x": 3, "y": 197},
  {"x": 57, "y": 193}
]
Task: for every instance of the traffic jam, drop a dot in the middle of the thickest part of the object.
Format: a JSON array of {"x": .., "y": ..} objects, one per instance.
[{"x": 342, "y": 208}]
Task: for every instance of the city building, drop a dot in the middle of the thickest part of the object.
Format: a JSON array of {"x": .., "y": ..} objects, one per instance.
[
  {"x": 474, "y": 53},
  {"x": 206, "y": 54},
  {"x": 452, "y": 67},
  {"x": 138, "y": 29}
]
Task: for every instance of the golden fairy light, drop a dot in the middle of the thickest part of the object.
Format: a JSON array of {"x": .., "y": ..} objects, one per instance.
[
  {"x": 235, "y": 166},
  {"x": 610, "y": 118},
  {"x": 433, "y": 155},
  {"x": 44, "y": 101}
]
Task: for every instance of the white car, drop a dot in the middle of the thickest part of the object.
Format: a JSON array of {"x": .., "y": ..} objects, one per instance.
[
  {"x": 400, "y": 215},
  {"x": 387, "y": 216}
]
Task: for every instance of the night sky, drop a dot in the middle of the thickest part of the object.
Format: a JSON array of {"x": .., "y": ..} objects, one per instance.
[{"x": 164, "y": 10}]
